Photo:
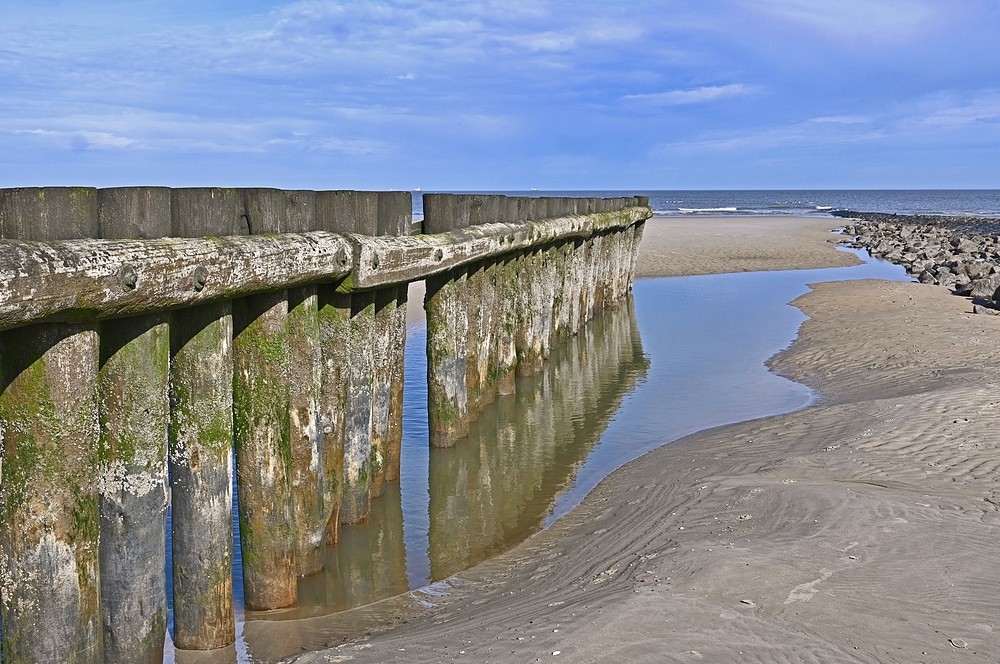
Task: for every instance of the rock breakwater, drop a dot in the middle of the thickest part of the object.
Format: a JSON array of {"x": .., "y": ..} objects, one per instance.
[{"x": 960, "y": 253}]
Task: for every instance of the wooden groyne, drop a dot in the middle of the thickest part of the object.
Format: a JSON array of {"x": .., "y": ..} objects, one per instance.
[{"x": 154, "y": 341}]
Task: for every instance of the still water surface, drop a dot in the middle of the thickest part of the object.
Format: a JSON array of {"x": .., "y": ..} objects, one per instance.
[{"x": 685, "y": 354}]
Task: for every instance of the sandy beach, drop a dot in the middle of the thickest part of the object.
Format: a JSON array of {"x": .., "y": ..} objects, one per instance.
[{"x": 861, "y": 529}]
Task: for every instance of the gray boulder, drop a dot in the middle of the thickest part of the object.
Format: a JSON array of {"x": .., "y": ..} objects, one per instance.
[{"x": 985, "y": 288}]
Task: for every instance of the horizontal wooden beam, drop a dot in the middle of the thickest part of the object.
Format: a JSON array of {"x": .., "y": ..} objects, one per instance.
[
  {"x": 77, "y": 280},
  {"x": 92, "y": 279},
  {"x": 381, "y": 261}
]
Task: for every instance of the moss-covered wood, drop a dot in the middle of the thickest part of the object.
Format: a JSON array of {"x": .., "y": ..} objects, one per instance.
[
  {"x": 384, "y": 336},
  {"x": 89, "y": 279},
  {"x": 74, "y": 280},
  {"x": 447, "y": 330},
  {"x": 201, "y": 467},
  {"x": 133, "y": 384},
  {"x": 475, "y": 312},
  {"x": 484, "y": 335},
  {"x": 396, "y": 361},
  {"x": 305, "y": 431},
  {"x": 49, "y": 512},
  {"x": 334, "y": 328},
  {"x": 358, "y": 454},
  {"x": 505, "y": 327},
  {"x": 381, "y": 261},
  {"x": 263, "y": 451}
]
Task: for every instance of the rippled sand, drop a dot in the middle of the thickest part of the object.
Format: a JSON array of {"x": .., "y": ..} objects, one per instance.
[{"x": 862, "y": 529}]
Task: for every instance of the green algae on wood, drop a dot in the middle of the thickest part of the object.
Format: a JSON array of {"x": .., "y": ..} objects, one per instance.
[
  {"x": 305, "y": 430},
  {"x": 505, "y": 326},
  {"x": 396, "y": 360},
  {"x": 135, "y": 417},
  {"x": 263, "y": 451},
  {"x": 447, "y": 330},
  {"x": 201, "y": 464},
  {"x": 474, "y": 313},
  {"x": 384, "y": 337},
  {"x": 334, "y": 324},
  {"x": 358, "y": 410},
  {"x": 49, "y": 558}
]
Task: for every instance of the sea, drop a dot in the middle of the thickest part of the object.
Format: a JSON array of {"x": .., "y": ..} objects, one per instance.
[{"x": 819, "y": 202}]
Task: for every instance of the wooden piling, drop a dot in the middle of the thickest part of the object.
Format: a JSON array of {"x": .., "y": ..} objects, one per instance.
[
  {"x": 261, "y": 421},
  {"x": 49, "y": 559},
  {"x": 475, "y": 288},
  {"x": 527, "y": 338},
  {"x": 382, "y": 338},
  {"x": 360, "y": 459},
  {"x": 201, "y": 438},
  {"x": 334, "y": 324},
  {"x": 394, "y": 214},
  {"x": 504, "y": 351},
  {"x": 483, "y": 336},
  {"x": 263, "y": 450},
  {"x": 396, "y": 362},
  {"x": 49, "y": 502},
  {"x": 335, "y": 212},
  {"x": 446, "y": 303},
  {"x": 305, "y": 378},
  {"x": 447, "y": 330},
  {"x": 133, "y": 385},
  {"x": 358, "y": 409}
]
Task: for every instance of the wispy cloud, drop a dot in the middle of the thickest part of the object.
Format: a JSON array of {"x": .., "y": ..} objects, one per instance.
[
  {"x": 693, "y": 96},
  {"x": 866, "y": 18},
  {"x": 934, "y": 120},
  {"x": 800, "y": 134},
  {"x": 953, "y": 114}
]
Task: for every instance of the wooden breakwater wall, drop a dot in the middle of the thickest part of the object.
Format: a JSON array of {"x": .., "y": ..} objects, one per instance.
[{"x": 155, "y": 341}]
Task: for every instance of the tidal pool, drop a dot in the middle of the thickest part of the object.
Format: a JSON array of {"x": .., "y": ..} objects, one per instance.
[{"x": 682, "y": 355}]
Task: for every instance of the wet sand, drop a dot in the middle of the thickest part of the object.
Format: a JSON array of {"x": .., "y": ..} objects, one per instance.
[
  {"x": 863, "y": 528},
  {"x": 678, "y": 246}
]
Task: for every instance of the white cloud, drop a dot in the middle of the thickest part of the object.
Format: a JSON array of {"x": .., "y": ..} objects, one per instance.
[
  {"x": 842, "y": 119},
  {"x": 694, "y": 96},
  {"x": 951, "y": 115},
  {"x": 938, "y": 119},
  {"x": 81, "y": 139},
  {"x": 855, "y": 18}
]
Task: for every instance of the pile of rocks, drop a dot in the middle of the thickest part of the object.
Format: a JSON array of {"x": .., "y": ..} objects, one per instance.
[{"x": 935, "y": 253}]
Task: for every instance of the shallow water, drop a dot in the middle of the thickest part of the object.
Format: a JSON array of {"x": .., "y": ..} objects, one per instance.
[{"x": 689, "y": 355}]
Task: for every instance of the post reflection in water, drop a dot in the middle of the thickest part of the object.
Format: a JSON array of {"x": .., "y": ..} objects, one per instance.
[
  {"x": 487, "y": 493},
  {"x": 368, "y": 564},
  {"x": 495, "y": 488}
]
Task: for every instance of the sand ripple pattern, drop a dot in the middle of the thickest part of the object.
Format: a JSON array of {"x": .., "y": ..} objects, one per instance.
[{"x": 863, "y": 529}]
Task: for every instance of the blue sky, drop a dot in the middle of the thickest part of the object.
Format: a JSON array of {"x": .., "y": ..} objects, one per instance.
[{"x": 501, "y": 95}]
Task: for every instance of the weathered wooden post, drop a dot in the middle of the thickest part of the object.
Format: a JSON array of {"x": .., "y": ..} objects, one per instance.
[
  {"x": 305, "y": 381},
  {"x": 504, "y": 349},
  {"x": 261, "y": 411},
  {"x": 395, "y": 211},
  {"x": 447, "y": 330},
  {"x": 396, "y": 363},
  {"x": 358, "y": 461},
  {"x": 49, "y": 558},
  {"x": 482, "y": 210},
  {"x": 335, "y": 212},
  {"x": 201, "y": 440},
  {"x": 133, "y": 385},
  {"x": 475, "y": 314},
  {"x": 394, "y": 443}
]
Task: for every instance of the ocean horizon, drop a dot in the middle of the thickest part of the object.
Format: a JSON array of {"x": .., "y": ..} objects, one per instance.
[{"x": 792, "y": 202}]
